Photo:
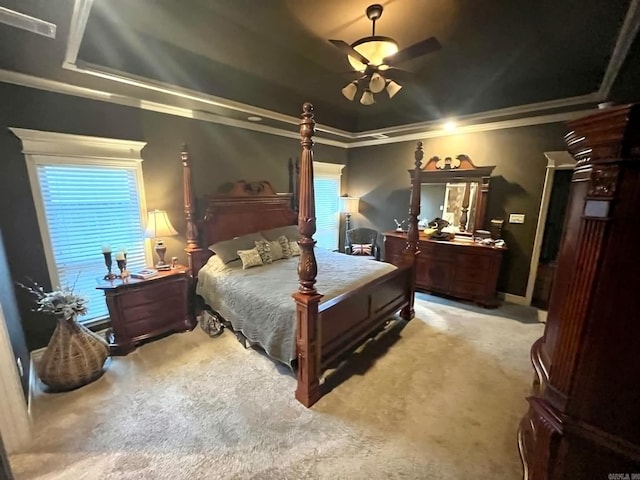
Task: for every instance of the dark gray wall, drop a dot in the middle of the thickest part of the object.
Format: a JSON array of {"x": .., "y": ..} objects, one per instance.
[
  {"x": 378, "y": 175},
  {"x": 220, "y": 154}
]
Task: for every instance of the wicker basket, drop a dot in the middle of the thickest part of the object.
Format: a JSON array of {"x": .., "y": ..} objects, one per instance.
[{"x": 74, "y": 357}]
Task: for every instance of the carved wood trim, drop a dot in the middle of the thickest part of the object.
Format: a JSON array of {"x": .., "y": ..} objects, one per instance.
[{"x": 189, "y": 212}]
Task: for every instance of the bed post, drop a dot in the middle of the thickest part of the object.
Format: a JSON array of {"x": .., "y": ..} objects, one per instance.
[
  {"x": 307, "y": 297},
  {"x": 411, "y": 250},
  {"x": 194, "y": 252}
]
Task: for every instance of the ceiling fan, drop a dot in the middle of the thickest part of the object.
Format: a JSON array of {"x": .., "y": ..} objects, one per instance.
[{"x": 373, "y": 55}]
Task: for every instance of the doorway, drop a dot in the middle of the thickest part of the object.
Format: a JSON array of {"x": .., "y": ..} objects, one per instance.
[
  {"x": 551, "y": 239},
  {"x": 555, "y": 195}
]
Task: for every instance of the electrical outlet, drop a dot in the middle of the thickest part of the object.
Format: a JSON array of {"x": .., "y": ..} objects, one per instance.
[
  {"x": 516, "y": 218},
  {"x": 20, "y": 369}
]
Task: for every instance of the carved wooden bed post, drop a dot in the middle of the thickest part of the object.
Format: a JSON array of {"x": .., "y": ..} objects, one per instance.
[
  {"x": 307, "y": 297},
  {"x": 411, "y": 250},
  {"x": 195, "y": 254}
]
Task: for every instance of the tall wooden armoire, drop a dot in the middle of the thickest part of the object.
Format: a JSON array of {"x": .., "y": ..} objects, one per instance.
[{"x": 584, "y": 415}]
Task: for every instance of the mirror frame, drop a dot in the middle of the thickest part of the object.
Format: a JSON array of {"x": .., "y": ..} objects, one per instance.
[{"x": 460, "y": 169}]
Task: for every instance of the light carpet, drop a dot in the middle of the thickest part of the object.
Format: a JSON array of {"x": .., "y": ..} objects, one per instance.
[{"x": 438, "y": 399}]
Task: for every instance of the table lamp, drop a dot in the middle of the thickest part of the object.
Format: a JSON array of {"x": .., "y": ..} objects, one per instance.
[
  {"x": 349, "y": 205},
  {"x": 158, "y": 225}
]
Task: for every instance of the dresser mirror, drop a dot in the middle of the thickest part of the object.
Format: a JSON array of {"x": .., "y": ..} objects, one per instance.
[
  {"x": 454, "y": 202},
  {"x": 455, "y": 190}
]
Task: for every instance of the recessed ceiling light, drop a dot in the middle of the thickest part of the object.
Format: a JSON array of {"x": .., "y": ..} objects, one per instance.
[
  {"x": 449, "y": 126},
  {"x": 254, "y": 119}
]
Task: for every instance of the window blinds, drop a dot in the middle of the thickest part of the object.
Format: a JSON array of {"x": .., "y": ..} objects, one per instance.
[
  {"x": 327, "y": 192},
  {"x": 87, "y": 207}
]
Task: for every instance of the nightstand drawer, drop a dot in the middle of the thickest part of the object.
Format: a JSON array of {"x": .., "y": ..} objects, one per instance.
[{"x": 152, "y": 292}]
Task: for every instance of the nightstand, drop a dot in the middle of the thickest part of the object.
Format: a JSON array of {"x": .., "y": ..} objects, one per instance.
[{"x": 143, "y": 309}]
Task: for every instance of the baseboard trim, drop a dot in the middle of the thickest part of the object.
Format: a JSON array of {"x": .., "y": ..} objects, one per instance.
[{"x": 511, "y": 298}]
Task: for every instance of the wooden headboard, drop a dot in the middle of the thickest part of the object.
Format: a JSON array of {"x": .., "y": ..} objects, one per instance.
[{"x": 249, "y": 207}]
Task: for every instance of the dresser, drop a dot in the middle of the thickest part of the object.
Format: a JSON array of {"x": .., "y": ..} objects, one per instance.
[
  {"x": 459, "y": 268},
  {"x": 142, "y": 309},
  {"x": 583, "y": 420}
]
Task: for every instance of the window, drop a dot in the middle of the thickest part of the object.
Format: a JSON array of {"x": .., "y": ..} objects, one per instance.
[
  {"x": 88, "y": 193},
  {"x": 326, "y": 184}
]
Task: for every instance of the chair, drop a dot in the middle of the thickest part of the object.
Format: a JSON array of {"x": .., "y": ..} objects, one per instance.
[{"x": 362, "y": 237}]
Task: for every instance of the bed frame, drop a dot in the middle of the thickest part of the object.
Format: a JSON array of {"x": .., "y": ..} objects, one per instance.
[{"x": 324, "y": 332}]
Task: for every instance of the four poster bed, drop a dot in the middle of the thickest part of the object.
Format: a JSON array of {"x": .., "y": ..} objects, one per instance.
[{"x": 357, "y": 299}]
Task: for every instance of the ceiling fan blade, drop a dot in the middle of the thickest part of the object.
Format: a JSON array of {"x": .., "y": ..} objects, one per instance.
[
  {"x": 416, "y": 50},
  {"x": 394, "y": 73},
  {"x": 347, "y": 49}
]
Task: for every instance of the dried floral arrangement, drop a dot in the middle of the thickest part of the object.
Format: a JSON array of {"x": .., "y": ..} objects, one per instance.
[{"x": 61, "y": 302}]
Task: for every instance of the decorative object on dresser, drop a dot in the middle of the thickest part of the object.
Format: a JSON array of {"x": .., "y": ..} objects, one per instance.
[
  {"x": 457, "y": 267},
  {"x": 324, "y": 331},
  {"x": 158, "y": 225},
  {"x": 584, "y": 413},
  {"x": 145, "y": 308},
  {"x": 75, "y": 355}
]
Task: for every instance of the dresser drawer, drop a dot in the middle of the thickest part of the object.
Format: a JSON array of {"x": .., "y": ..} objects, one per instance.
[{"x": 466, "y": 261}]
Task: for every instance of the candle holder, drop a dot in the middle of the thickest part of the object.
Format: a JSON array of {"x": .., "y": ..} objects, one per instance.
[
  {"x": 122, "y": 265},
  {"x": 109, "y": 263}
]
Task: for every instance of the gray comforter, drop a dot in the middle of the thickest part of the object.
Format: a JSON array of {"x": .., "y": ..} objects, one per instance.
[{"x": 258, "y": 302}]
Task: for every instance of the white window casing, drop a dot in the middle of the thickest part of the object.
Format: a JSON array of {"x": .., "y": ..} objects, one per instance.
[{"x": 58, "y": 165}]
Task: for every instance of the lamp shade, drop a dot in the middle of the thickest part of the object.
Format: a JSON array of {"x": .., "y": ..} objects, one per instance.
[
  {"x": 377, "y": 83},
  {"x": 375, "y": 49},
  {"x": 158, "y": 225},
  {"x": 367, "y": 98},
  {"x": 350, "y": 90},
  {"x": 349, "y": 204},
  {"x": 393, "y": 88}
]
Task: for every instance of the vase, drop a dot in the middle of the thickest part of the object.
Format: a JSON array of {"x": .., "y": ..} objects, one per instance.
[{"x": 74, "y": 357}]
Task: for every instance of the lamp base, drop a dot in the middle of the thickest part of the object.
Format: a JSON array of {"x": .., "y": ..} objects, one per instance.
[{"x": 161, "y": 250}]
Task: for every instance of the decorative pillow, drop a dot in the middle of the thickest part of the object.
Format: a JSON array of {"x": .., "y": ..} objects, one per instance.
[
  {"x": 264, "y": 250},
  {"x": 227, "y": 250},
  {"x": 250, "y": 258},
  {"x": 290, "y": 231},
  {"x": 361, "y": 249},
  {"x": 295, "y": 249},
  {"x": 276, "y": 250},
  {"x": 284, "y": 246}
]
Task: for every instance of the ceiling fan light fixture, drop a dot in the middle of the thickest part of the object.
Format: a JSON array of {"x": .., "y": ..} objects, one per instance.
[
  {"x": 367, "y": 98},
  {"x": 377, "y": 83},
  {"x": 375, "y": 49},
  {"x": 350, "y": 90},
  {"x": 393, "y": 88}
]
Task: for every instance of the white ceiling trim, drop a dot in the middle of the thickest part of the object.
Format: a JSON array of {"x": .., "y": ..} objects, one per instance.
[
  {"x": 79, "y": 18},
  {"x": 45, "y": 84},
  {"x": 482, "y": 127},
  {"x": 628, "y": 33},
  {"x": 93, "y": 94}
]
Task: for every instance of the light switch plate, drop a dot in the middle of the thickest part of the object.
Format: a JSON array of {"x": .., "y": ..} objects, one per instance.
[{"x": 516, "y": 218}]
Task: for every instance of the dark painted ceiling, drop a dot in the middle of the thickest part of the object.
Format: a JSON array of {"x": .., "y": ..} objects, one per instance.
[{"x": 274, "y": 54}]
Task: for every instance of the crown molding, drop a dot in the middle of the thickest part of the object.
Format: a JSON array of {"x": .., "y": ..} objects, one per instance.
[
  {"x": 476, "y": 128},
  {"x": 628, "y": 32},
  {"x": 103, "y": 96}
]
